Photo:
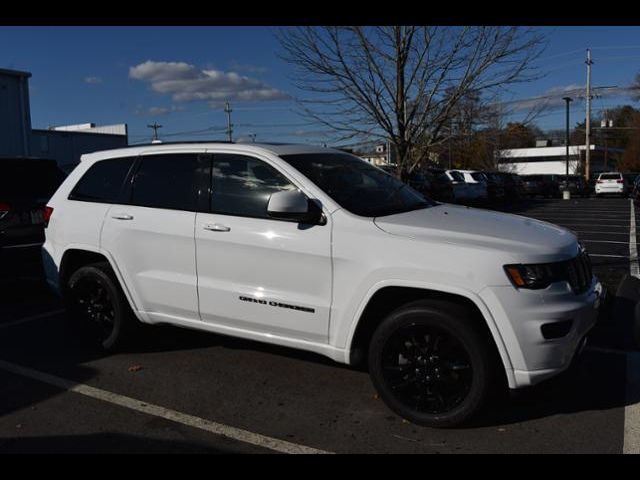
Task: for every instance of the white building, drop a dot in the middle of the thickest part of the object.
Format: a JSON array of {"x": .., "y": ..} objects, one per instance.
[{"x": 541, "y": 160}]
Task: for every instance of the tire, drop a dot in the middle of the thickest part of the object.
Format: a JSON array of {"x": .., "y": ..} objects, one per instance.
[
  {"x": 447, "y": 379},
  {"x": 98, "y": 309}
]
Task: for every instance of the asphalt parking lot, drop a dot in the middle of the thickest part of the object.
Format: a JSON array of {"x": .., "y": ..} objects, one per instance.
[{"x": 184, "y": 391}]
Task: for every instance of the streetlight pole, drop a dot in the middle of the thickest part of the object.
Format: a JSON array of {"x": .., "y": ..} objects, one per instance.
[
  {"x": 587, "y": 153},
  {"x": 568, "y": 100}
]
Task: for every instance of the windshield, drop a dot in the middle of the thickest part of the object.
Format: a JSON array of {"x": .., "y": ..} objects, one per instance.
[
  {"x": 356, "y": 185},
  {"x": 479, "y": 177}
]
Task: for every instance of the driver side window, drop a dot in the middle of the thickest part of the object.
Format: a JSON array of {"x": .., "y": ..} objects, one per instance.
[{"x": 242, "y": 185}]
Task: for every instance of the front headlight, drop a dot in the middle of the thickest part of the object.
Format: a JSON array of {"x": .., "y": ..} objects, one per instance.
[{"x": 530, "y": 276}]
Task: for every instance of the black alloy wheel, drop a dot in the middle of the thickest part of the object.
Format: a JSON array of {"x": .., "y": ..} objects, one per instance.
[
  {"x": 434, "y": 363},
  {"x": 428, "y": 369},
  {"x": 98, "y": 308}
]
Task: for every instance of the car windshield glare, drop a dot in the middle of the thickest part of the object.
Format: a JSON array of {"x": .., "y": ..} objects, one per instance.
[{"x": 356, "y": 185}]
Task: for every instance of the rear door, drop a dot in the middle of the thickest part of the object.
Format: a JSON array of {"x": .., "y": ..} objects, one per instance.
[{"x": 150, "y": 234}]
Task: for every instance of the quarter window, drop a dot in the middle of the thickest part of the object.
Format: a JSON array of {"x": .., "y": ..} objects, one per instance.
[
  {"x": 242, "y": 185},
  {"x": 103, "y": 181}
]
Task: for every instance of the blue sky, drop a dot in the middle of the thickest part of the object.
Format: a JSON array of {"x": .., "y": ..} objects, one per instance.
[{"x": 85, "y": 75}]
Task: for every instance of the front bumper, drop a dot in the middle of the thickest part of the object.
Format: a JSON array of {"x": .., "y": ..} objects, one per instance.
[{"x": 520, "y": 315}]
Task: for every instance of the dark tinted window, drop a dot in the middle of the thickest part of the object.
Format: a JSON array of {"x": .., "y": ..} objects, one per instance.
[
  {"x": 610, "y": 176},
  {"x": 167, "y": 181},
  {"x": 103, "y": 181},
  {"x": 243, "y": 185},
  {"x": 457, "y": 176},
  {"x": 356, "y": 185}
]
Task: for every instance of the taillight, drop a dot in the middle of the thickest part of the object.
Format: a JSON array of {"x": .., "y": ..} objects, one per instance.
[
  {"x": 599, "y": 181},
  {"x": 47, "y": 215},
  {"x": 4, "y": 209}
]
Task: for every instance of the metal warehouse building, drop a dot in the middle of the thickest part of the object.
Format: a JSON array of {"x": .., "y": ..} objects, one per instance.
[
  {"x": 546, "y": 160},
  {"x": 65, "y": 144}
]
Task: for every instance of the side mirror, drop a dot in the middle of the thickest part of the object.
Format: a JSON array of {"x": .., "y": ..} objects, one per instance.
[{"x": 294, "y": 205}]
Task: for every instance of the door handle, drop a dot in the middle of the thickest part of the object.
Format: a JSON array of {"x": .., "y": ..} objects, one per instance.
[
  {"x": 216, "y": 227},
  {"x": 122, "y": 216}
]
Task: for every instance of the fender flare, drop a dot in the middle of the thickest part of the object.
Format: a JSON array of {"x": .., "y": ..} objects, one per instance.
[{"x": 467, "y": 294}]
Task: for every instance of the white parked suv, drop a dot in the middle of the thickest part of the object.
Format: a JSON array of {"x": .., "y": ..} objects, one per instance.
[
  {"x": 316, "y": 249},
  {"x": 610, "y": 183},
  {"x": 476, "y": 184}
]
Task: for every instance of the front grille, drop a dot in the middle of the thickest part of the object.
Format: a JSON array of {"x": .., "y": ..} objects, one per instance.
[{"x": 578, "y": 271}]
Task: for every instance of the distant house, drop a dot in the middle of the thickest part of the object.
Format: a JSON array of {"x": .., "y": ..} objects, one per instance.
[
  {"x": 380, "y": 154},
  {"x": 552, "y": 159}
]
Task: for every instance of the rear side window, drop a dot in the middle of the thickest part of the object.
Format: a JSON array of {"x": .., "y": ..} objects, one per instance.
[
  {"x": 103, "y": 181},
  {"x": 242, "y": 185},
  {"x": 167, "y": 181}
]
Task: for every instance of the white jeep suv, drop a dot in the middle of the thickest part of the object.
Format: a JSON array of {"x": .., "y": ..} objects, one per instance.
[
  {"x": 316, "y": 249},
  {"x": 610, "y": 183}
]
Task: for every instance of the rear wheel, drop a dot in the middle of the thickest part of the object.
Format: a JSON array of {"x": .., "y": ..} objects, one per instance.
[
  {"x": 431, "y": 364},
  {"x": 97, "y": 307}
]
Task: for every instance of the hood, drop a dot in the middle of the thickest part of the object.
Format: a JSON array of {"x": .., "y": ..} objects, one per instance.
[{"x": 526, "y": 239}]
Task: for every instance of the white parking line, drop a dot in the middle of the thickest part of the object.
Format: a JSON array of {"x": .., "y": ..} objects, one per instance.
[
  {"x": 584, "y": 240},
  {"x": 608, "y": 233},
  {"x": 32, "y": 318},
  {"x": 240, "y": 435},
  {"x": 632, "y": 410},
  {"x": 633, "y": 247}
]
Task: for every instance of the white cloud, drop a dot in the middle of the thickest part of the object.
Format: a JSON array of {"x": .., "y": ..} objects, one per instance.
[
  {"x": 186, "y": 83},
  {"x": 92, "y": 80}
]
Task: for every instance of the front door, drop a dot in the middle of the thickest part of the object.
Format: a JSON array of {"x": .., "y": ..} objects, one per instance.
[{"x": 256, "y": 273}]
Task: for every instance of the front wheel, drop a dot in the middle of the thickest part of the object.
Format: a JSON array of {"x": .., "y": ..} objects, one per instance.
[
  {"x": 98, "y": 309},
  {"x": 432, "y": 364}
]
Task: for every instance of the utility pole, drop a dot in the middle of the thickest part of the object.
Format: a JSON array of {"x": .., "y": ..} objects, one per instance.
[
  {"x": 587, "y": 154},
  {"x": 155, "y": 128},
  {"x": 566, "y": 141},
  {"x": 227, "y": 109}
]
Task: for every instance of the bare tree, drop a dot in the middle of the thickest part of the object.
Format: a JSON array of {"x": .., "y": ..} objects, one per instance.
[{"x": 403, "y": 83}]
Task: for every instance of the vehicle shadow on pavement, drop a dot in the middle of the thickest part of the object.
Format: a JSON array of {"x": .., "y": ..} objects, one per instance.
[
  {"x": 596, "y": 382},
  {"x": 106, "y": 443}
]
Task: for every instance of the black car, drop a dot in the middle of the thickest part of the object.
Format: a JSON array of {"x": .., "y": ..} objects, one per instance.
[
  {"x": 510, "y": 182},
  {"x": 576, "y": 184},
  {"x": 25, "y": 187},
  {"x": 533, "y": 185},
  {"x": 440, "y": 185},
  {"x": 495, "y": 188},
  {"x": 630, "y": 180}
]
